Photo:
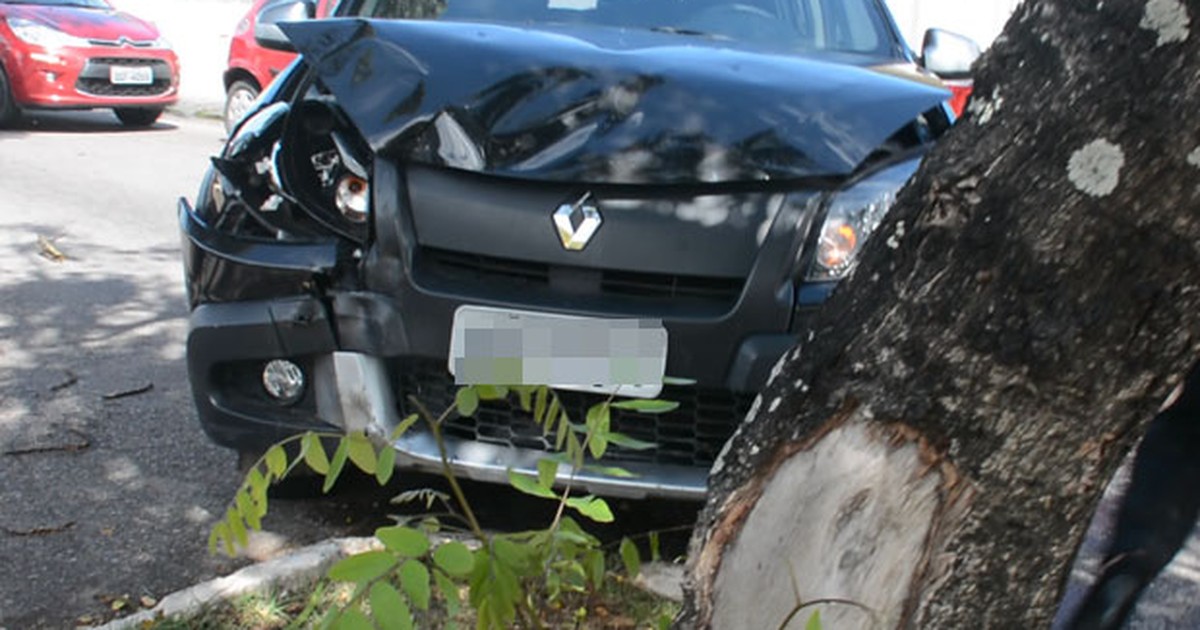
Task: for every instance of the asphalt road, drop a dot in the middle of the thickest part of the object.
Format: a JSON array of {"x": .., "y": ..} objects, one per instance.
[{"x": 107, "y": 498}]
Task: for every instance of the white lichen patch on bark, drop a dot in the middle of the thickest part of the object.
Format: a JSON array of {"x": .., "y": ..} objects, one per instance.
[
  {"x": 751, "y": 416},
  {"x": 1096, "y": 168},
  {"x": 777, "y": 368},
  {"x": 1193, "y": 158},
  {"x": 984, "y": 108},
  {"x": 893, "y": 241},
  {"x": 846, "y": 519},
  {"x": 1168, "y": 18},
  {"x": 719, "y": 462},
  {"x": 775, "y": 404}
]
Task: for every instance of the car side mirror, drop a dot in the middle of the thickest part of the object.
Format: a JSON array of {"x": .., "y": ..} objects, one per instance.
[
  {"x": 266, "y": 23},
  {"x": 948, "y": 55}
]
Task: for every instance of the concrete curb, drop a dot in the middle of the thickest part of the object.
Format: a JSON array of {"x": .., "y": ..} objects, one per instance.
[{"x": 295, "y": 570}]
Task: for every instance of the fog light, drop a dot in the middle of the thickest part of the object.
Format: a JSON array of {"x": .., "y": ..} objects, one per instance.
[
  {"x": 283, "y": 380},
  {"x": 351, "y": 198},
  {"x": 50, "y": 77}
]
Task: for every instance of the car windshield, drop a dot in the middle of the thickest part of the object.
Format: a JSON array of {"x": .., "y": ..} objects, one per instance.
[
  {"x": 856, "y": 26},
  {"x": 87, "y": 4}
]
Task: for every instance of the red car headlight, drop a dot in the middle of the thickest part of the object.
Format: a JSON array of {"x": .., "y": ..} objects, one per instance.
[{"x": 43, "y": 35}]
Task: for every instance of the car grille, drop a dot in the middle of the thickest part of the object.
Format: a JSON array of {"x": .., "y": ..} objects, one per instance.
[
  {"x": 463, "y": 268},
  {"x": 94, "y": 78},
  {"x": 692, "y": 435},
  {"x": 117, "y": 43}
]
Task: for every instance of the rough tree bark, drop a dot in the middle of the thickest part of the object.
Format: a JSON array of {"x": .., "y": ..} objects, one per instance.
[{"x": 931, "y": 454}]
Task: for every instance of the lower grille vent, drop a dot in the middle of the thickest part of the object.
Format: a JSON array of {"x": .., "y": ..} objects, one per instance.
[{"x": 692, "y": 435}]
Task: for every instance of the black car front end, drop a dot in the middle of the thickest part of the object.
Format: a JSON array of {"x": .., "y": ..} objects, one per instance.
[{"x": 371, "y": 197}]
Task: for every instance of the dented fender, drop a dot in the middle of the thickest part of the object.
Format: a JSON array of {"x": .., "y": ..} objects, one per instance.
[{"x": 305, "y": 257}]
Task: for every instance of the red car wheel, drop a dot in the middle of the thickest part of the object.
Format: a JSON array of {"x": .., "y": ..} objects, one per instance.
[
  {"x": 238, "y": 101},
  {"x": 8, "y": 106}
]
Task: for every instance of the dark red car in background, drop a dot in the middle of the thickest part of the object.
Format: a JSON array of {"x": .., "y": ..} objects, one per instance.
[
  {"x": 83, "y": 54},
  {"x": 251, "y": 67}
]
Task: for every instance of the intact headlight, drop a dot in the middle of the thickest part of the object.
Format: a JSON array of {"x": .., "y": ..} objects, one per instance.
[
  {"x": 242, "y": 26},
  {"x": 39, "y": 34},
  {"x": 852, "y": 215}
]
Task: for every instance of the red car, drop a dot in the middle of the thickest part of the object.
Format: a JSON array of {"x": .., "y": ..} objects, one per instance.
[
  {"x": 83, "y": 54},
  {"x": 251, "y": 67}
]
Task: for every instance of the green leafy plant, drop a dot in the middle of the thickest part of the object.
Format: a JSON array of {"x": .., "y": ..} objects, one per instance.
[{"x": 507, "y": 578}]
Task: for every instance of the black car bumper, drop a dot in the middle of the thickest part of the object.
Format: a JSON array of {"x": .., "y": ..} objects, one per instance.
[{"x": 365, "y": 351}]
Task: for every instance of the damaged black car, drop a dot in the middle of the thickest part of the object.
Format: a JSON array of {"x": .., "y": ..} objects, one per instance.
[{"x": 586, "y": 193}]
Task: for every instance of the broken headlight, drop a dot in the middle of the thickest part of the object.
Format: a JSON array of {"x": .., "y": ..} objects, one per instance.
[
  {"x": 342, "y": 179},
  {"x": 292, "y": 174},
  {"x": 851, "y": 215},
  {"x": 325, "y": 166}
]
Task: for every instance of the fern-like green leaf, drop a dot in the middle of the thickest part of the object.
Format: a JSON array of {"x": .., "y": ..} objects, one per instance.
[
  {"x": 389, "y": 608},
  {"x": 467, "y": 401},
  {"x": 362, "y": 452},
  {"x": 313, "y": 453},
  {"x": 414, "y": 579},
  {"x": 363, "y": 567},
  {"x": 335, "y": 466},
  {"x": 630, "y": 557}
]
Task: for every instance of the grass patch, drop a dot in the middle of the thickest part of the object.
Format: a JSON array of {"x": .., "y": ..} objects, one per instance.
[
  {"x": 619, "y": 606},
  {"x": 253, "y": 612}
]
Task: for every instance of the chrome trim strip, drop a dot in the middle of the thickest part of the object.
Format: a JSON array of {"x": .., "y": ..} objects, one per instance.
[
  {"x": 123, "y": 41},
  {"x": 490, "y": 463},
  {"x": 353, "y": 392}
]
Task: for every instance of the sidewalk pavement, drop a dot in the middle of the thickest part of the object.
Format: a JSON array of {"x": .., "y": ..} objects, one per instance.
[{"x": 199, "y": 30}]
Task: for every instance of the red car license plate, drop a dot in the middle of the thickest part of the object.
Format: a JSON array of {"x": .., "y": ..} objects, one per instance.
[{"x": 131, "y": 75}]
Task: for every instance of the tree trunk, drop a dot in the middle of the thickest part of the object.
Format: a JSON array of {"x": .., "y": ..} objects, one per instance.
[{"x": 930, "y": 456}]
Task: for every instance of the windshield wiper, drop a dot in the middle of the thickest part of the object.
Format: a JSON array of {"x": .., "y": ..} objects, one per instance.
[{"x": 675, "y": 30}]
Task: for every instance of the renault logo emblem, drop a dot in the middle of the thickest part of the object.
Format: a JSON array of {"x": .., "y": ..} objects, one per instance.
[{"x": 577, "y": 223}]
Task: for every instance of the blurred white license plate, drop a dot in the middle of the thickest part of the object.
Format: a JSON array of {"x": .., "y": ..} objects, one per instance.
[
  {"x": 494, "y": 346},
  {"x": 131, "y": 75}
]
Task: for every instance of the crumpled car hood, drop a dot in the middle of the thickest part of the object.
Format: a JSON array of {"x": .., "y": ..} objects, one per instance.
[{"x": 602, "y": 105}]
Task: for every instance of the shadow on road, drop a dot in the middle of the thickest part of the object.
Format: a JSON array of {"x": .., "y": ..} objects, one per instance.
[
  {"x": 85, "y": 121},
  {"x": 108, "y": 484},
  {"x": 95, "y": 483}
]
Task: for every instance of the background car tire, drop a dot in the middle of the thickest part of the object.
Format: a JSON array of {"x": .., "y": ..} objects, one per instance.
[
  {"x": 238, "y": 98},
  {"x": 8, "y": 106},
  {"x": 138, "y": 116}
]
